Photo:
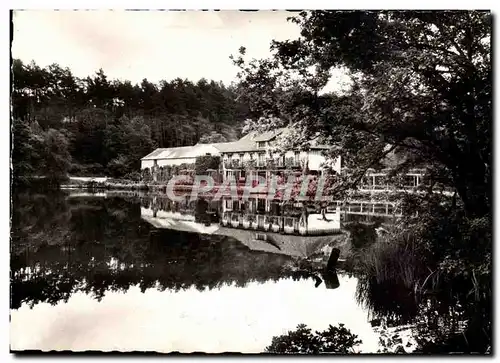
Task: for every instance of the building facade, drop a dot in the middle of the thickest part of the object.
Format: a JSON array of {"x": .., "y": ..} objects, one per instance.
[
  {"x": 251, "y": 155},
  {"x": 257, "y": 155},
  {"x": 177, "y": 155}
]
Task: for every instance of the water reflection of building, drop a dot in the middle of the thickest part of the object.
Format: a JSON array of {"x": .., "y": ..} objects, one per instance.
[
  {"x": 254, "y": 213},
  {"x": 378, "y": 181},
  {"x": 257, "y": 213},
  {"x": 282, "y": 233},
  {"x": 260, "y": 213},
  {"x": 176, "y": 220}
]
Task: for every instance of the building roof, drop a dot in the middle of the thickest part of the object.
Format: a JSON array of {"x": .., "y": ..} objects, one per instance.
[
  {"x": 170, "y": 153},
  {"x": 249, "y": 136},
  {"x": 319, "y": 146},
  {"x": 180, "y": 152},
  {"x": 246, "y": 144},
  {"x": 268, "y": 135},
  {"x": 154, "y": 154},
  {"x": 241, "y": 145}
]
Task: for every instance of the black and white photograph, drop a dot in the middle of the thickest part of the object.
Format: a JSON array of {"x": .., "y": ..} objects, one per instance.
[{"x": 281, "y": 182}]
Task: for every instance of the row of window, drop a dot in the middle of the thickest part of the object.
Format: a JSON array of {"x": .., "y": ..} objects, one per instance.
[
  {"x": 257, "y": 204},
  {"x": 262, "y": 156}
]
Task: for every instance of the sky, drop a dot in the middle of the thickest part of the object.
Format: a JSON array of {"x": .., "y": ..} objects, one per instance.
[{"x": 156, "y": 45}]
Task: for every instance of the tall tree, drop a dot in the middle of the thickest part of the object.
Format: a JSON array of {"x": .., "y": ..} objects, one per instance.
[
  {"x": 420, "y": 87},
  {"x": 213, "y": 137},
  {"x": 421, "y": 84},
  {"x": 56, "y": 159}
]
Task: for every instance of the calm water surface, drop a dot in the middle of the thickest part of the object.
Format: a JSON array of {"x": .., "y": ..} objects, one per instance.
[{"x": 88, "y": 273}]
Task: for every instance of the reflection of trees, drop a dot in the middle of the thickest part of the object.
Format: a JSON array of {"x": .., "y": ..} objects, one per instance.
[
  {"x": 392, "y": 301},
  {"x": 61, "y": 246},
  {"x": 28, "y": 228}
]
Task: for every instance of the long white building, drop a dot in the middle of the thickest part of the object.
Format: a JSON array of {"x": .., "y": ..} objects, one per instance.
[
  {"x": 177, "y": 155},
  {"x": 253, "y": 148}
]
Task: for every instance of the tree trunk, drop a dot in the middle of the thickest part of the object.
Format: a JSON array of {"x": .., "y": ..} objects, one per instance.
[
  {"x": 474, "y": 189},
  {"x": 332, "y": 261}
]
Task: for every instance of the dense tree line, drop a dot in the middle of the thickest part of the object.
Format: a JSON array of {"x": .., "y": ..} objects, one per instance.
[{"x": 96, "y": 125}]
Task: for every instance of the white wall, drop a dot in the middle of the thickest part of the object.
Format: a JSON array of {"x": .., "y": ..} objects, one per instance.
[
  {"x": 202, "y": 149},
  {"x": 146, "y": 164},
  {"x": 315, "y": 159},
  {"x": 199, "y": 150},
  {"x": 236, "y": 156},
  {"x": 164, "y": 162}
]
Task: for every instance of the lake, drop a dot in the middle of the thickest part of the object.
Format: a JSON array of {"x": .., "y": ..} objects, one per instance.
[{"x": 89, "y": 272}]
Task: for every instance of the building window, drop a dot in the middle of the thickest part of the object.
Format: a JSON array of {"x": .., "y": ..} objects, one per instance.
[
  {"x": 261, "y": 236},
  {"x": 261, "y": 144},
  {"x": 261, "y": 159},
  {"x": 261, "y": 205},
  {"x": 297, "y": 158}
]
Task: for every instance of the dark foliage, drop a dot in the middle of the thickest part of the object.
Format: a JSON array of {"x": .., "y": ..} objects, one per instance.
[
  {"x": 362, "y": 234},
  {"x": 336, "y": 339},
  {"x": 206, "y": 162}
]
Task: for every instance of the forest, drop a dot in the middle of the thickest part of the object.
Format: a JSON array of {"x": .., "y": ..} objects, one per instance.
[{"x": 64, "y": 125}]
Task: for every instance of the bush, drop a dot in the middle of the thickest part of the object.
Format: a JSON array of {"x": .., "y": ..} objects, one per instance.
[
  {"x": 146, "y": 175},
  {"x": 362, "y": 234},
  {"x": 302, "y": 341},
  {"x": 86, "y": 169},
  {"x": 249, "y": 165},
  {"x": 205, "y": 162},
  {"x": 134, "y": 176},
  {"x": 390, "y": 271},
  {"x": 118, "y": 167}
]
